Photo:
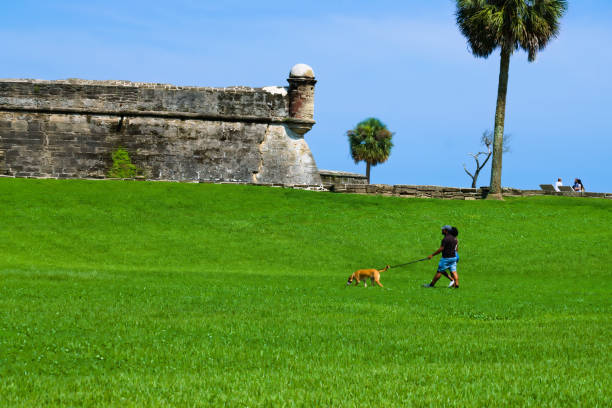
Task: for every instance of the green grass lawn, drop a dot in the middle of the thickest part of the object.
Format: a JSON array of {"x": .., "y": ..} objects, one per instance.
[{"x": 164, "y": 294}]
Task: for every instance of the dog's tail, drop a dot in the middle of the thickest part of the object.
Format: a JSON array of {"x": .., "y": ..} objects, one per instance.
[{"x": 386, "y": 267}]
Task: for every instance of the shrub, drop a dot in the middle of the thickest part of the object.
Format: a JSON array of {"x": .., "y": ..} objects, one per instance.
[{"x": 122, "y": 165}]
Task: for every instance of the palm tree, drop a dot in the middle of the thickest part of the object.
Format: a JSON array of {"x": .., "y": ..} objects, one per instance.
[
  {"x": 370, "y": 141},
  {"x": 509, "y": 25}
]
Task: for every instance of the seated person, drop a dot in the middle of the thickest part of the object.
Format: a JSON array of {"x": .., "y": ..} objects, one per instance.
[{"x": 578, "y": 185}]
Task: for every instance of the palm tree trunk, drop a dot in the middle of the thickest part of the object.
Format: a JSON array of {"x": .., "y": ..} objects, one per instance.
[
  {"x": 368, "y": 172},
  {"x": 498, "y": 134}
]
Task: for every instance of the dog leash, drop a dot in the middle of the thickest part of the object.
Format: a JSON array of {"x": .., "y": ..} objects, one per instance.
[{"x": 408, "y": 263}]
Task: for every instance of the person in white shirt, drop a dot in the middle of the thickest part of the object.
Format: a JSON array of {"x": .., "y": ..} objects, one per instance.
[{"x": 557, "y": 184}]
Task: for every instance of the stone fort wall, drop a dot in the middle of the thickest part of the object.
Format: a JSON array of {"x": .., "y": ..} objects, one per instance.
[{"x": 69, "y": 128}]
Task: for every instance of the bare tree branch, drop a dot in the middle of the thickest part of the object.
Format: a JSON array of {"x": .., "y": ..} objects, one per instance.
[
  {"x": 466, "y": 170},
  {"x": 486, "y": 140}
]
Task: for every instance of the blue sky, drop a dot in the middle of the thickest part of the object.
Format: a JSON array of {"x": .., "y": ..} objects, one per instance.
[{"x": 404, "y": 62}]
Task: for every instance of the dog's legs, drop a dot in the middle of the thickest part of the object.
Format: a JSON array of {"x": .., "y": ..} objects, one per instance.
[{"x": 376, "y": 279}]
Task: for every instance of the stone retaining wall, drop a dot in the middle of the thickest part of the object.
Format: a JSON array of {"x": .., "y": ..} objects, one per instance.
[
  {"x": 341, "y": 177},
  {"x": 449, "y": 193},
  {"x": 412, "y": 191},
  {"x": 399, "y": 190}
]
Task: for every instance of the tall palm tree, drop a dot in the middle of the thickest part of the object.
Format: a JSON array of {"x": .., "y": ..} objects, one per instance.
[
  {"x": 509, "y": 25},
  {"x": 370, "y": 141}
]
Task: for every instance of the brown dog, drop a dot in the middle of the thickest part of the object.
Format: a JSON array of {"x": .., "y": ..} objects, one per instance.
[{"x": 364, "y": 274}]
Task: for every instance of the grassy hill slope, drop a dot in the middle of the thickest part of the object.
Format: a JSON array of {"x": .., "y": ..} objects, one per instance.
[{"x": 157, "y": 294}]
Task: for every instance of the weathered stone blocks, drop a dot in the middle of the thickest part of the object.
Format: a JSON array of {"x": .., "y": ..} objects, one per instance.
[{"x": 69, "y": 128}]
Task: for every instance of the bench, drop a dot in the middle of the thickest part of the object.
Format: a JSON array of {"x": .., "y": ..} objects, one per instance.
[{"x": 547, "y": 187}]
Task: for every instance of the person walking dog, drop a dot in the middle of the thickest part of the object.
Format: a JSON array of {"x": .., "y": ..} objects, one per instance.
[{"x": 448, "y": 248}]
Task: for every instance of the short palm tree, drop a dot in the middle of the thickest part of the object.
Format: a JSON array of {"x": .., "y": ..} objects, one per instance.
[
  {"x": 509, "y": 25},
  {"x": 370, "y": 141}
]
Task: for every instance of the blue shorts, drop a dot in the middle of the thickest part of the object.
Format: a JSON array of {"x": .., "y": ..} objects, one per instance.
[{"x": 447, "y": 263}]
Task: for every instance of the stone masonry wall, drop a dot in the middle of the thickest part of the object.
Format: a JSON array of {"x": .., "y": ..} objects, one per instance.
[
  {"x": 70, "y": 128},
  {"x": 329, "y": 177},
  {"x": 449, "y": 193}
]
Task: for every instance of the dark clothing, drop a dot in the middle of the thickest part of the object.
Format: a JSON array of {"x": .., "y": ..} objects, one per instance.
[{"x": 449, "y": 243}]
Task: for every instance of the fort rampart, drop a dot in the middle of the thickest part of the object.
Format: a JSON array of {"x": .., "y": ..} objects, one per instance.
[{"x": 69, "y": 128}]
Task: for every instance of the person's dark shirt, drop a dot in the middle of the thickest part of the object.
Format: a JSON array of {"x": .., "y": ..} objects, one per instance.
[{"x": 449, "y": 243}]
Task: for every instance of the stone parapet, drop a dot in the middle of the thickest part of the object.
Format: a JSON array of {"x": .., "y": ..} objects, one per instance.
[{"x": 132, "y": 98}]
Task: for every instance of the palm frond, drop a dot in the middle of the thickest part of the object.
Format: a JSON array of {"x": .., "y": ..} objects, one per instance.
[
  {"x": 370, "y": 141},
  {"x": 509, "y": 24}
]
